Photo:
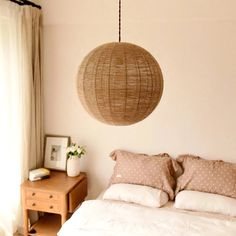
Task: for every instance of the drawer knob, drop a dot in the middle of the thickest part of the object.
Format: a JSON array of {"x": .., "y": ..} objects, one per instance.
[
  {"x": 33, "y": 194},
  {"x": 33, "y": 204},
  {"x": 51, "y": 196},
  {"x": 51, "y": 207}
]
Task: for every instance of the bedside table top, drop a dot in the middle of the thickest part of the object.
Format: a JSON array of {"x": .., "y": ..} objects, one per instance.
[{"x": 57, "y": 182}]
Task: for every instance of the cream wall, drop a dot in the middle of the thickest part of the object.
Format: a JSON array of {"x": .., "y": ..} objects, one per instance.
[{"x": 195, "y": 44}]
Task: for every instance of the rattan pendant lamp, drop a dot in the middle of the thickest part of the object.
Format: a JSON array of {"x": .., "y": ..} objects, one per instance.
[{"x": 119, "y": 83}]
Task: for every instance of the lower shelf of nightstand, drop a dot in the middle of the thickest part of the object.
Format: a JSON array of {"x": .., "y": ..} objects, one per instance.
[{"x": 48, "y": 225}]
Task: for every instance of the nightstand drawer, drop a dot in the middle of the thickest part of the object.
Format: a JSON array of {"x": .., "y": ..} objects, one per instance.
[
  {"x": 43, "y": 206},
  {"x": 38, "y": 195}
]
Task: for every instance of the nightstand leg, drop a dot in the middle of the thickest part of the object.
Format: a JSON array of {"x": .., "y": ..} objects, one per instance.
[
  {"x": 63, "y": 218},
  {"x": 25, "y": 217},
  {"x": 64, "y": 204}
]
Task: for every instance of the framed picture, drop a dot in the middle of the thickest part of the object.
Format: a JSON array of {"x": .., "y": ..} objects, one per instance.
[{"x": 55, "y": 152}]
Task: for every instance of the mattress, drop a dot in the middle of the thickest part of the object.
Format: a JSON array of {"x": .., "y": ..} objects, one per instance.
[{"x": 113, "y": 218}]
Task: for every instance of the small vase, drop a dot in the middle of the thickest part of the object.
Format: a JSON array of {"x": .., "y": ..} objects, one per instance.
[{"x": 73, "y": 166}]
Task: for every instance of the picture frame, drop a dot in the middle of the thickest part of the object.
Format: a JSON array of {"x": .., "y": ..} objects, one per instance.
[{"x": 55, "y": 152}]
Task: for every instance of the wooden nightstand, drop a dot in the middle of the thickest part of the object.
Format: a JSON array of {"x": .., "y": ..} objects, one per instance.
[{"x": 59, "y": 194}]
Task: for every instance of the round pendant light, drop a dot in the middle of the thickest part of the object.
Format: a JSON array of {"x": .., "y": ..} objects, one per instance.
[{"x": 119, "y": 83}]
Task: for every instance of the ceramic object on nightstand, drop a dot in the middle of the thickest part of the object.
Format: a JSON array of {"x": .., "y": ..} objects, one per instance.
[
  {"x": 74, "y": 153},
  {"x": 73, "y": 166}
]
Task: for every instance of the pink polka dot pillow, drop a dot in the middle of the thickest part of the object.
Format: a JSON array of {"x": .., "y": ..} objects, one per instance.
[
  {"x": 154, "y": 171},
  {"x": 216, "y": 177}
]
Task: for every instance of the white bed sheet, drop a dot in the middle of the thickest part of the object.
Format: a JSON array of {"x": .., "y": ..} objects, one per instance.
[{"x": 111, "y": 218}]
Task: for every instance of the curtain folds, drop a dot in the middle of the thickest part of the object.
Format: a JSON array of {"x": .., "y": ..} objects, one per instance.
[{"x": 21, "y": 117}]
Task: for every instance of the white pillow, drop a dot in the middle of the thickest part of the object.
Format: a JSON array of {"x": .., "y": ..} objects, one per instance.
[
  {"x": 139, "y": 194},
  {"x": 208, "y": 202}
]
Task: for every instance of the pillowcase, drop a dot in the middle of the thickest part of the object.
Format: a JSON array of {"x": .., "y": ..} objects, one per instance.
[
  {"x": 217, "y": 177},
  {"x": 207, "y": 202},
  {"x": 143, "y": 195},
  {"x": 153, "y": 171}
]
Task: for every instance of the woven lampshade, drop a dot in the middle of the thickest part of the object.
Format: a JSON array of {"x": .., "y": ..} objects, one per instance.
[{"x": 119, "y": 83}]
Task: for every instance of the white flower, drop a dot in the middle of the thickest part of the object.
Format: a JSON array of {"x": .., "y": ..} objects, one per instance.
[
  {"x": 79, "y": 151},
  {"x": 74, "y": 149}
]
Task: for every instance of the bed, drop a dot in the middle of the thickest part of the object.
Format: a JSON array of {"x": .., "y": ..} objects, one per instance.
[
  {"x": 113, "y": 218},
  {"x": 151, "y": 196}
]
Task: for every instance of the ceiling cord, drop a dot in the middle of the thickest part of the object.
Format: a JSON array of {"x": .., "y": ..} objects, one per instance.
[{"x": 119, "y": 21}]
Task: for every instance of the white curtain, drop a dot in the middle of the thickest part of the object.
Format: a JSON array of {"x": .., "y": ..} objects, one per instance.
[{"x": 21, "y": 132}]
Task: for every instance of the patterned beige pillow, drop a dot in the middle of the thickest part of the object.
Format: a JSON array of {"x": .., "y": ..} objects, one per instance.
[
  {"x": 217, "y": 177},
  {"x": 154, "y": 171}
]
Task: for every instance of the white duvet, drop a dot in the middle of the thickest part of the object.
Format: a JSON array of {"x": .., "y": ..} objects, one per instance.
[{"x": 110, "y": 218}]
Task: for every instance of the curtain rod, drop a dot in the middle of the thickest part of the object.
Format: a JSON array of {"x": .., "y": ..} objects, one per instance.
[{"x": 26, "y": 2}]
